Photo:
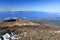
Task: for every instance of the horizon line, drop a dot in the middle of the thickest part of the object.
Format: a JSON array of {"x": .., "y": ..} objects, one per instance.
[{"x": 28, "y": 11}]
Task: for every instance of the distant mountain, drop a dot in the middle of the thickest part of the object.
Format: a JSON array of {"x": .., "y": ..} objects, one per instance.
[
  {"x": 26, "y": 14},
  {"x": 50, "y": 21}
]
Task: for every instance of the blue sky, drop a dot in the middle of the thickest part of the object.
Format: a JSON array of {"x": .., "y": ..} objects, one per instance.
[{"x": 30, "y": 5}]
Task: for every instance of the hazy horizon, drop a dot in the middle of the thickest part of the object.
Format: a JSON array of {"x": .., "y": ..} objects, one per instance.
[
  {"x": 39, "y": 8},
  {"x": 51, "y": 6}
]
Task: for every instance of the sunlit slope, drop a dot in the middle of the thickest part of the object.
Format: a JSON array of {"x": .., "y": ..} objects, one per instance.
[{"x": 18, "y": 22}]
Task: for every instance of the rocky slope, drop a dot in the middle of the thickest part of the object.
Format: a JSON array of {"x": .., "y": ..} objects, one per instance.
[{"x": 23, "y": 29}]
